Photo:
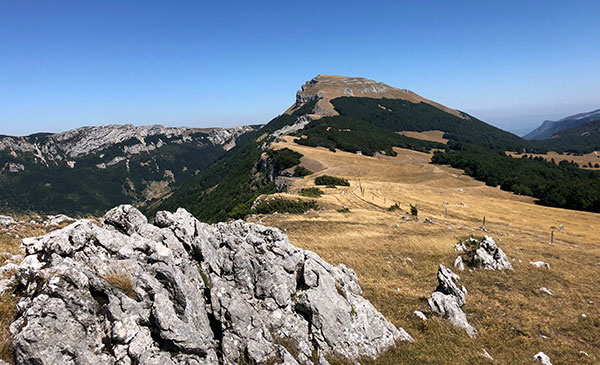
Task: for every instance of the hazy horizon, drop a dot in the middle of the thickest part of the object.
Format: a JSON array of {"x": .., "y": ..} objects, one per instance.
[{"x": 70, "y": 64}]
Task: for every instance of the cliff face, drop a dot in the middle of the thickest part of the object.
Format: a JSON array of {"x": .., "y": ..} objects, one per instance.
[{"x": 328, "y": 87}]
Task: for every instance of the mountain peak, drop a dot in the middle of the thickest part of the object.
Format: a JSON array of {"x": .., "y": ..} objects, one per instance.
[{"x": 328, "y": 87}]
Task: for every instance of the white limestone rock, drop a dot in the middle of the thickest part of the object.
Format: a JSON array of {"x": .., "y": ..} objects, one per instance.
[{"x": 181, "y": 291}]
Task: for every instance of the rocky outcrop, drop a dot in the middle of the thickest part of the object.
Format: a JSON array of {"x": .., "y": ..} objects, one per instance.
[
  {"x": 301, "y": 122},
  {"x": 490, "y": 257},
  {"x": 482, "y": 253},
  {"x": 448, "y": 298},
  {"x": 184, "y": 292},
  {"x": 6, "y": 221}
]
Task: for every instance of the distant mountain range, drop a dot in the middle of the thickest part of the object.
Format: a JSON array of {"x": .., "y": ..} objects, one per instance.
[
  {"x": 216, "y": 174},
  {"x": 549, "y": 127},
  {"x": 91, "y": 169}
]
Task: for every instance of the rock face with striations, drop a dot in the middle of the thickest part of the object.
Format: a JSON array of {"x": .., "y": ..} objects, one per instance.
[
  {"x": 184, "y": 292},
  {"x": 448, "y": 298}
]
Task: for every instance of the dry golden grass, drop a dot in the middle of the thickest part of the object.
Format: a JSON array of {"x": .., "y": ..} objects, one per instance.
[
  {"x": 593, "y": 157},
  {"x": 8, "y": 311},
  {"x": 122, "y": 281},
  {"x": 508, "y": 309},
  {"x": 434, "y": 135}
]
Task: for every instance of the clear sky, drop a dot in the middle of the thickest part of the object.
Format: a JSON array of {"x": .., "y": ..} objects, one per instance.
[{"x": 64, "y": 64}]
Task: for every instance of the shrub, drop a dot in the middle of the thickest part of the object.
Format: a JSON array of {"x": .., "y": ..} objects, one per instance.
[
  {"x": 242, "y": 210},
  {"x": 311, "y": 192},
  {"x": 414, "y": 211},
  {"x": 284, "y": 158},
  {"x": 301, "y": 171},
  {"x": 394, "y": 207},
  {"x": 282, "y": 205},
  {"x": 331, "y": 180},
  {"x": 472, "y": 244},
  {"x": 344, "y": 209}
]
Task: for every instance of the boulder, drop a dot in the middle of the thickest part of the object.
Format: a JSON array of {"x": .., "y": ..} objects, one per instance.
[
  {"x": 180, "y": 291},
  {"x": 447, "y": 300},
  {"x": 6, "y": 221},
  {"x": 490, "y": 257},
  {"x": 540, "y": 264},
  {"x": 486, "y": 354},
  {"x": 57, "y": 220},
  {"x": 458, "y": 263},
  {"x": 542, "y": 358},
  {"x": 419, "y": 315}
]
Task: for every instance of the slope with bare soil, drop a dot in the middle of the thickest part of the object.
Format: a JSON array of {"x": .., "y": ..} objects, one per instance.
[{"x": 396, "y": 260}]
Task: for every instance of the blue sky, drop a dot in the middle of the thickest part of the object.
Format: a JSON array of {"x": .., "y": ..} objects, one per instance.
[{"x": 64, "y": 64}]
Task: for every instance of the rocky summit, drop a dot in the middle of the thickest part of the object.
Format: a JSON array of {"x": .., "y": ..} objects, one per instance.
[
  {"x": 324, "y": 88},
  {"x": 183, "y": 292}
]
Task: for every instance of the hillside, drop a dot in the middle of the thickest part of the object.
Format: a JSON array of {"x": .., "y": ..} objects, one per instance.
[
  {"x": 244, "y": 172},
  {"x": 91, "y": 169},
  {"x": 396, "y": 259},
  {"x": 549, "y": 127},
  {"x": 373, "y": 126}
]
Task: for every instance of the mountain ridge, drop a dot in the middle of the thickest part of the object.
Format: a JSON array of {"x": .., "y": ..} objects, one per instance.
[
  {"x": 548, "y": 128},
  {"x": 89, "y": 169}
]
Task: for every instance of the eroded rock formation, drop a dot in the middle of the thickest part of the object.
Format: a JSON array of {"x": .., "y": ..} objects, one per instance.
[
  {"x": 184, "y": 292},
  {"x": 448, "y": 298}
]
